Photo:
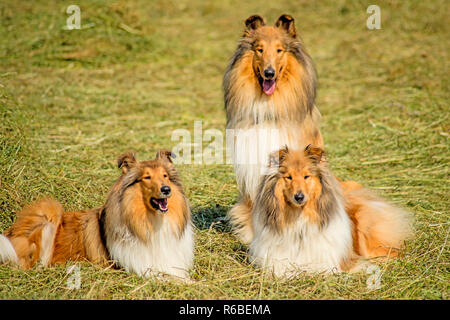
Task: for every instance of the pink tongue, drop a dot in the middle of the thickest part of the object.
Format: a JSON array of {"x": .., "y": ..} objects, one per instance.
[
  {"x": 268, "y": 86},
  {"x": 163, "y": 204}
]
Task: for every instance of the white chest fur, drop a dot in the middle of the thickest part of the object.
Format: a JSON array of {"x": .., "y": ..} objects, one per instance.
[
  {"x": 252, "y": 147},
  {"x": 163, "y": 252},
  {"x": 302, "y": 246},
  {"x": 264, "y": 128}
]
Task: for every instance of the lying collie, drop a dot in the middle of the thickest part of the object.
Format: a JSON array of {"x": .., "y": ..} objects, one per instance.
[
  {"x": 145, "y": 225},
  {"x": 269, "y": 92},
  {"x": 305, "y": 220}
]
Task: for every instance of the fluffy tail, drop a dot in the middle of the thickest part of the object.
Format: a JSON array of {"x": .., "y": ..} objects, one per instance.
[
  {"x": 7, "y": 252},
  {"x": 380, "y": 229},
  {"x": 33, "y": 233}
]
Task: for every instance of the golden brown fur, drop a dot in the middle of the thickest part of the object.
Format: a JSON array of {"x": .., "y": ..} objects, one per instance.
[
  {"x": 79, "y": 237},
  {"x": 377, "y": 231},
  {"x": 70, "y": 235},
  {"x": 44, "y": 233},
  {"x": 301, "y": 185}
]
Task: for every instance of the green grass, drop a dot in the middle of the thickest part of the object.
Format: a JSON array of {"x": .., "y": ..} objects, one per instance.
[{"x": 72, "y": 101}]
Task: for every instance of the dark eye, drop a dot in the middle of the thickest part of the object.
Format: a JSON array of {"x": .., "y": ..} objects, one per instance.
[
  {"x": 260, "y": 50},
  {"x": 165, "y": 175},
  {"x": 289, "y": 177},
  {"x": 148, "y": 177},
  {"x": 279, "y": 50},
  {"x": 306, "y": 177}
]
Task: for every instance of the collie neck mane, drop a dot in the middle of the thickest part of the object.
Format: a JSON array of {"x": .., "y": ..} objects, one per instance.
[{"x": 293, "y": 99}]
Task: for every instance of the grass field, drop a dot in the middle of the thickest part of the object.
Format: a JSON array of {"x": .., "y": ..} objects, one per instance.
[{"x": 71, "y": 101}]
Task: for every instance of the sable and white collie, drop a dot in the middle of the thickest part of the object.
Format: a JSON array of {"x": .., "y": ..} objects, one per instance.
[
  {"x": 145, "y": 225},
  {"x": 269, "y": 92},
  {"x": 304, "y": 219}
]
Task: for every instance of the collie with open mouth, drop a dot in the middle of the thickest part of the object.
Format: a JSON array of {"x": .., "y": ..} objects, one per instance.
[
  {"x": 269, "y": 92},
  {"x": 304, "y": 219},
  {"x": 145, "y": 225}
]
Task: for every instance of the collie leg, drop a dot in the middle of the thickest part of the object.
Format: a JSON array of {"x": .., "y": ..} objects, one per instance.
[
  {"x": 33, "y": 233},
  {"x": 241, "y": 219},
  {"x": 356, "y": 264},
  {"x": 47, "y": 241}
]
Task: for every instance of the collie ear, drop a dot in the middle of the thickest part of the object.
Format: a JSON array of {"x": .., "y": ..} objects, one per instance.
[
  {"x": 126, "y": 161},
  {"x": 277, "y": 157},
  {"x": 314, "y": 153},
  {"x": 254, "y": 22},
  {"x": 287, "y": 23},
  {"x": 165, "y": 155}
]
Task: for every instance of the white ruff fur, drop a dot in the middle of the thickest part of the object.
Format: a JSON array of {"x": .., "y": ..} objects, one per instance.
[
  {"x": 252, "y": 146},
  {"x": 163, "y": 252},
  {"x": 302, "y": 246}
]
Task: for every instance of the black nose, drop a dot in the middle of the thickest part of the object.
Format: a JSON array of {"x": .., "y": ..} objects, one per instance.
[
  {"x": 269, "y": 73},
  {"x": 299, "y": 197},
  {"x": 165, "y": 190}
]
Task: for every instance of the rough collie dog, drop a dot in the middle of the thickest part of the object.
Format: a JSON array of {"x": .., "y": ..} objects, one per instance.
[
  {"x": 145, "y": 225},
  {"x": 305, "y": 220},
  {"x": 269, "y": 92}
]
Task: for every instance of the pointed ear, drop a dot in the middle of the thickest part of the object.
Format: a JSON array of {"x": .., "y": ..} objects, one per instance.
[
  {"x": 314, "y": 153},
  {"x": 287, "y": 23},
  {"x": 254, "y": 22},
  {"x": 277, "y": 157},
  {"x": 127, "y": 161},
  {"x": 165, "y": 155}
]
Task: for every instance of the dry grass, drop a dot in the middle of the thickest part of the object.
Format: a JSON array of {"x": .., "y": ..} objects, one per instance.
[{"x": 72, "y": 101}]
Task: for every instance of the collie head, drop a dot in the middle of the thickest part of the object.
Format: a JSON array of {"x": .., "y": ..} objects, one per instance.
[
  {"x": 270, "y": 66},
  {"x": 298, "y": 185},
  {"x": 146, "y": 193}
]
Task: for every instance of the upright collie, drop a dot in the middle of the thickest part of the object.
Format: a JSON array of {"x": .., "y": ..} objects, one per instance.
[
  {"x": 269, "y": 92},
  {"x": 145, "y": 225},
  {"x": 305, "y": 220}
]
